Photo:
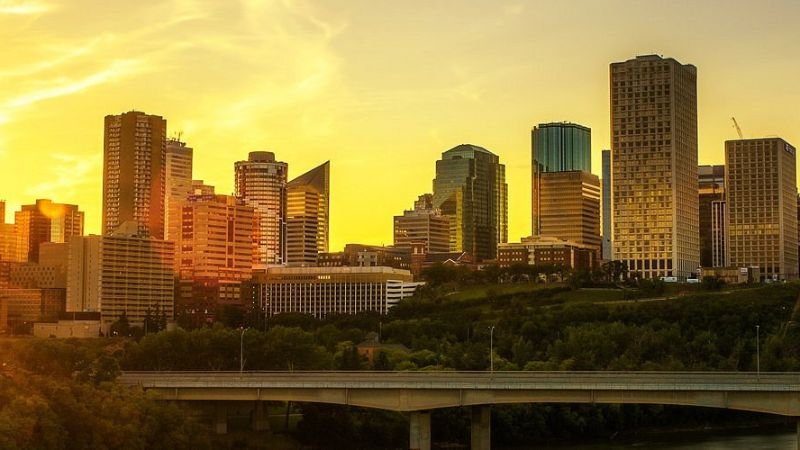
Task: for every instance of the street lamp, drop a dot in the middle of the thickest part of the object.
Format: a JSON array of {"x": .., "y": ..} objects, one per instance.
[
  {"x": 491, "y": 348},
  {"x": 758, "y": 352},
  {"x": 241, "y": 351}
]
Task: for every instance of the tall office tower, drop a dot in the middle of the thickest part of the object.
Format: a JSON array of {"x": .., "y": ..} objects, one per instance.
[
  {"x": 178, "y": 184},
  {"x": 761, "y": 196},
  {"x": 134, "y": 159},
  {"x": 121, "y": 273},
  {"x": 308, "y": 216},
  {"x": 711, "y": 188},
  {"x": 719, "y": 234},
  {"x": 570, "y": 207},
  {"x": 557, "y": 147},
  {"x": 214, "y": 254},
  {"x": 261, "y": 182},
  {"x": 424, "y": 225},
  {"x": 470, "y": 189},
  {"x": 608, "y": 251},
  {"x": 654, "y": 166},
  {"x": 45, "y": 221}
]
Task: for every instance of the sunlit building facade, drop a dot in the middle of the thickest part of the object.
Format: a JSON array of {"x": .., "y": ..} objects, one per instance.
[
  {"x": 423, "y": 225},
  {"x": 470, "y": 189},
  {"x": 654, "y": 166},
  {"x": 308, "y": 216},
  {"x": 121, "y": 273},
  {"x": 178, "y": 184},
  {"x": 45, "y": 221},
  {"x": 8, "y": 237},
  {"x": 557, "y": 147},
  {"x": 761, "y": 200},
  {"x": 322, "y": 291},
  {"x": 569, "y": 207},
  {"x": 261, "y": 182},
  {"x": 134, "y": 160},
  {"x": 214, "y": 254}
]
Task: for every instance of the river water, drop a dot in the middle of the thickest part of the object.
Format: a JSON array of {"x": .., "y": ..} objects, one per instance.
[{"x": 712, "y": 441}]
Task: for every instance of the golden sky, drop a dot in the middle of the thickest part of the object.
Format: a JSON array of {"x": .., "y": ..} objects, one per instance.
[{"x": 379, "y": 87}]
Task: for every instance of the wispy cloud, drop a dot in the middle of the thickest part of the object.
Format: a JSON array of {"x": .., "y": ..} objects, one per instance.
[
  {"x": 22, "y": 7},
  {"x": 67, "y": 173}
]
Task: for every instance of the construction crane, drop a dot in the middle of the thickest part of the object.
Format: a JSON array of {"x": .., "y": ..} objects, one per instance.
[{"x": 738, "y": 130}]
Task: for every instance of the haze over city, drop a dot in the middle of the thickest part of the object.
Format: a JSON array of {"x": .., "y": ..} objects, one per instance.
[{"x": 379, "y": 89}]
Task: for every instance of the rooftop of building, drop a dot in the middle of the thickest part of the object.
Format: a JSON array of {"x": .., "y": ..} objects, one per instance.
[
  {"x": 564, "y": 124},
  {"x": 346, "y": 270},
  {"x": 466, "y": 148},
  {"x": 318, "y": 178}
]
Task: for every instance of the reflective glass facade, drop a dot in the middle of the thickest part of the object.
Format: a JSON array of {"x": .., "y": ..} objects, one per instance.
[{"x": 470, "y": 189}]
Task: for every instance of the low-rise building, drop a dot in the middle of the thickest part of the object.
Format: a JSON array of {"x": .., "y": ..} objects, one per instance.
[
  {"x": 20, "y": 308},
  {"x": 321, "y": 291},
  {"x": 547, "y": 251}
]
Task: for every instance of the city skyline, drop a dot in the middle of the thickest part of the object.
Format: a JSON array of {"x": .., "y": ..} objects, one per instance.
[{"x": 341, "y": 99}]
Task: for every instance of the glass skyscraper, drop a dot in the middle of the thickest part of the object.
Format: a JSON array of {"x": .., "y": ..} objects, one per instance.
[
  {"x": 557, "y": 147},
  {"x": 470, "y": 188},
  {"x": 608, "y": 251}
]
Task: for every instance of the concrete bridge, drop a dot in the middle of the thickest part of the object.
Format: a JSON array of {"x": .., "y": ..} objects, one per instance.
[{"x": 420, "y": 392}]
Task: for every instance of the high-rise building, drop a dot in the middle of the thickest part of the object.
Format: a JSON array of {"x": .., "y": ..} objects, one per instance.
[
  {"x": 761, "y": 200},
  {"x": 570, "y": 207},
  {"x": 45, "y": 221},
  {"x": 557, "y": 147},
  {"x": 214, "y": 254},
  {"x": 719, "y": 235},
  {"x": 121, "y": 273},
  {"x": 261, "y": 182},
  {"x": 470, "y": 189},
  {"x": 134, "y": 160},
  {"x": 654, "y": 166},
  {"x": 423, "y": 225},
  {"x": 711, "y": 188},
  {"x": 8, "y": 237},
  {"x": 608, "y": 250},
  {"x": 308, "y": 216},
  {"x": 199, "y": 187},
  {"x": 178, "y": 184}
]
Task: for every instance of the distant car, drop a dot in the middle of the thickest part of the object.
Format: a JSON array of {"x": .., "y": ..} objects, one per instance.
[
  {"x": 692, "y": 280},
  {"x": 669, "y": 279}
]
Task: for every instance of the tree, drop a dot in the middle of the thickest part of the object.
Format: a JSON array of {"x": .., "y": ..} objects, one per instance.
[{"x": 121, "y": 327}]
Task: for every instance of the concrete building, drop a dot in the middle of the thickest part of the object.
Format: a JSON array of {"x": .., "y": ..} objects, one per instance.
[
  {"x": 361, "y": 255},
  {"x": 20, "y": 308},
  {"x": 134, "y": 156},
  {"x": 547, "y": 251},
  {"x": 719, "y": 234},
  {"x": 654, "y": 166},
  {"x": 199, "y": 187},
  {"x": 214, "y": 255},
  {"x": 711, "y": 188},
  {"x": 121, "y": 273},
  {"x": 470, "y": 189},
  {"x": 178, "y": 184},
  {"x": 761, "y": 200},
  {"x": 261, "y": 182},
  {"x": 556, "y": 147},
  {"x": 45, "y": 221},
  {"x": 308, "y": 216},
  {"x": 423, "y": 225},
  {"x": 608, "y": 249},
  {"x": 8, "y": 237},
  {"x": 569, "y": 207},
  {"x": 321, "y": 291}
]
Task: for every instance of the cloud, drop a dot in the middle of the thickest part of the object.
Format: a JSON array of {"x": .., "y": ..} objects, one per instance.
[
  {"x": 23, "y": 8},
  {"x": 67, "y": 173}
]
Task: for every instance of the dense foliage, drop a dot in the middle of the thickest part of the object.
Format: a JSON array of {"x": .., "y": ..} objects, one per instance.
[{"x": 538, "y": 326}]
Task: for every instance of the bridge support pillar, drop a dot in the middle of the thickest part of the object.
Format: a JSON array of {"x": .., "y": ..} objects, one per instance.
[
  {"x": 481, "y": 428},
  {"x": 260, "y": 421},
  {"x": 220, "y": 419},
  {"x": 419, "y": 430}
]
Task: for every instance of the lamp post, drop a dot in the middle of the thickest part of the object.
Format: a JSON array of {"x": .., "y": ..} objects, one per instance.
[
  {"x": 491, "y": 348},
  {"x": 758, "y": 352},
  {"x": 241, "y": 351}
]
